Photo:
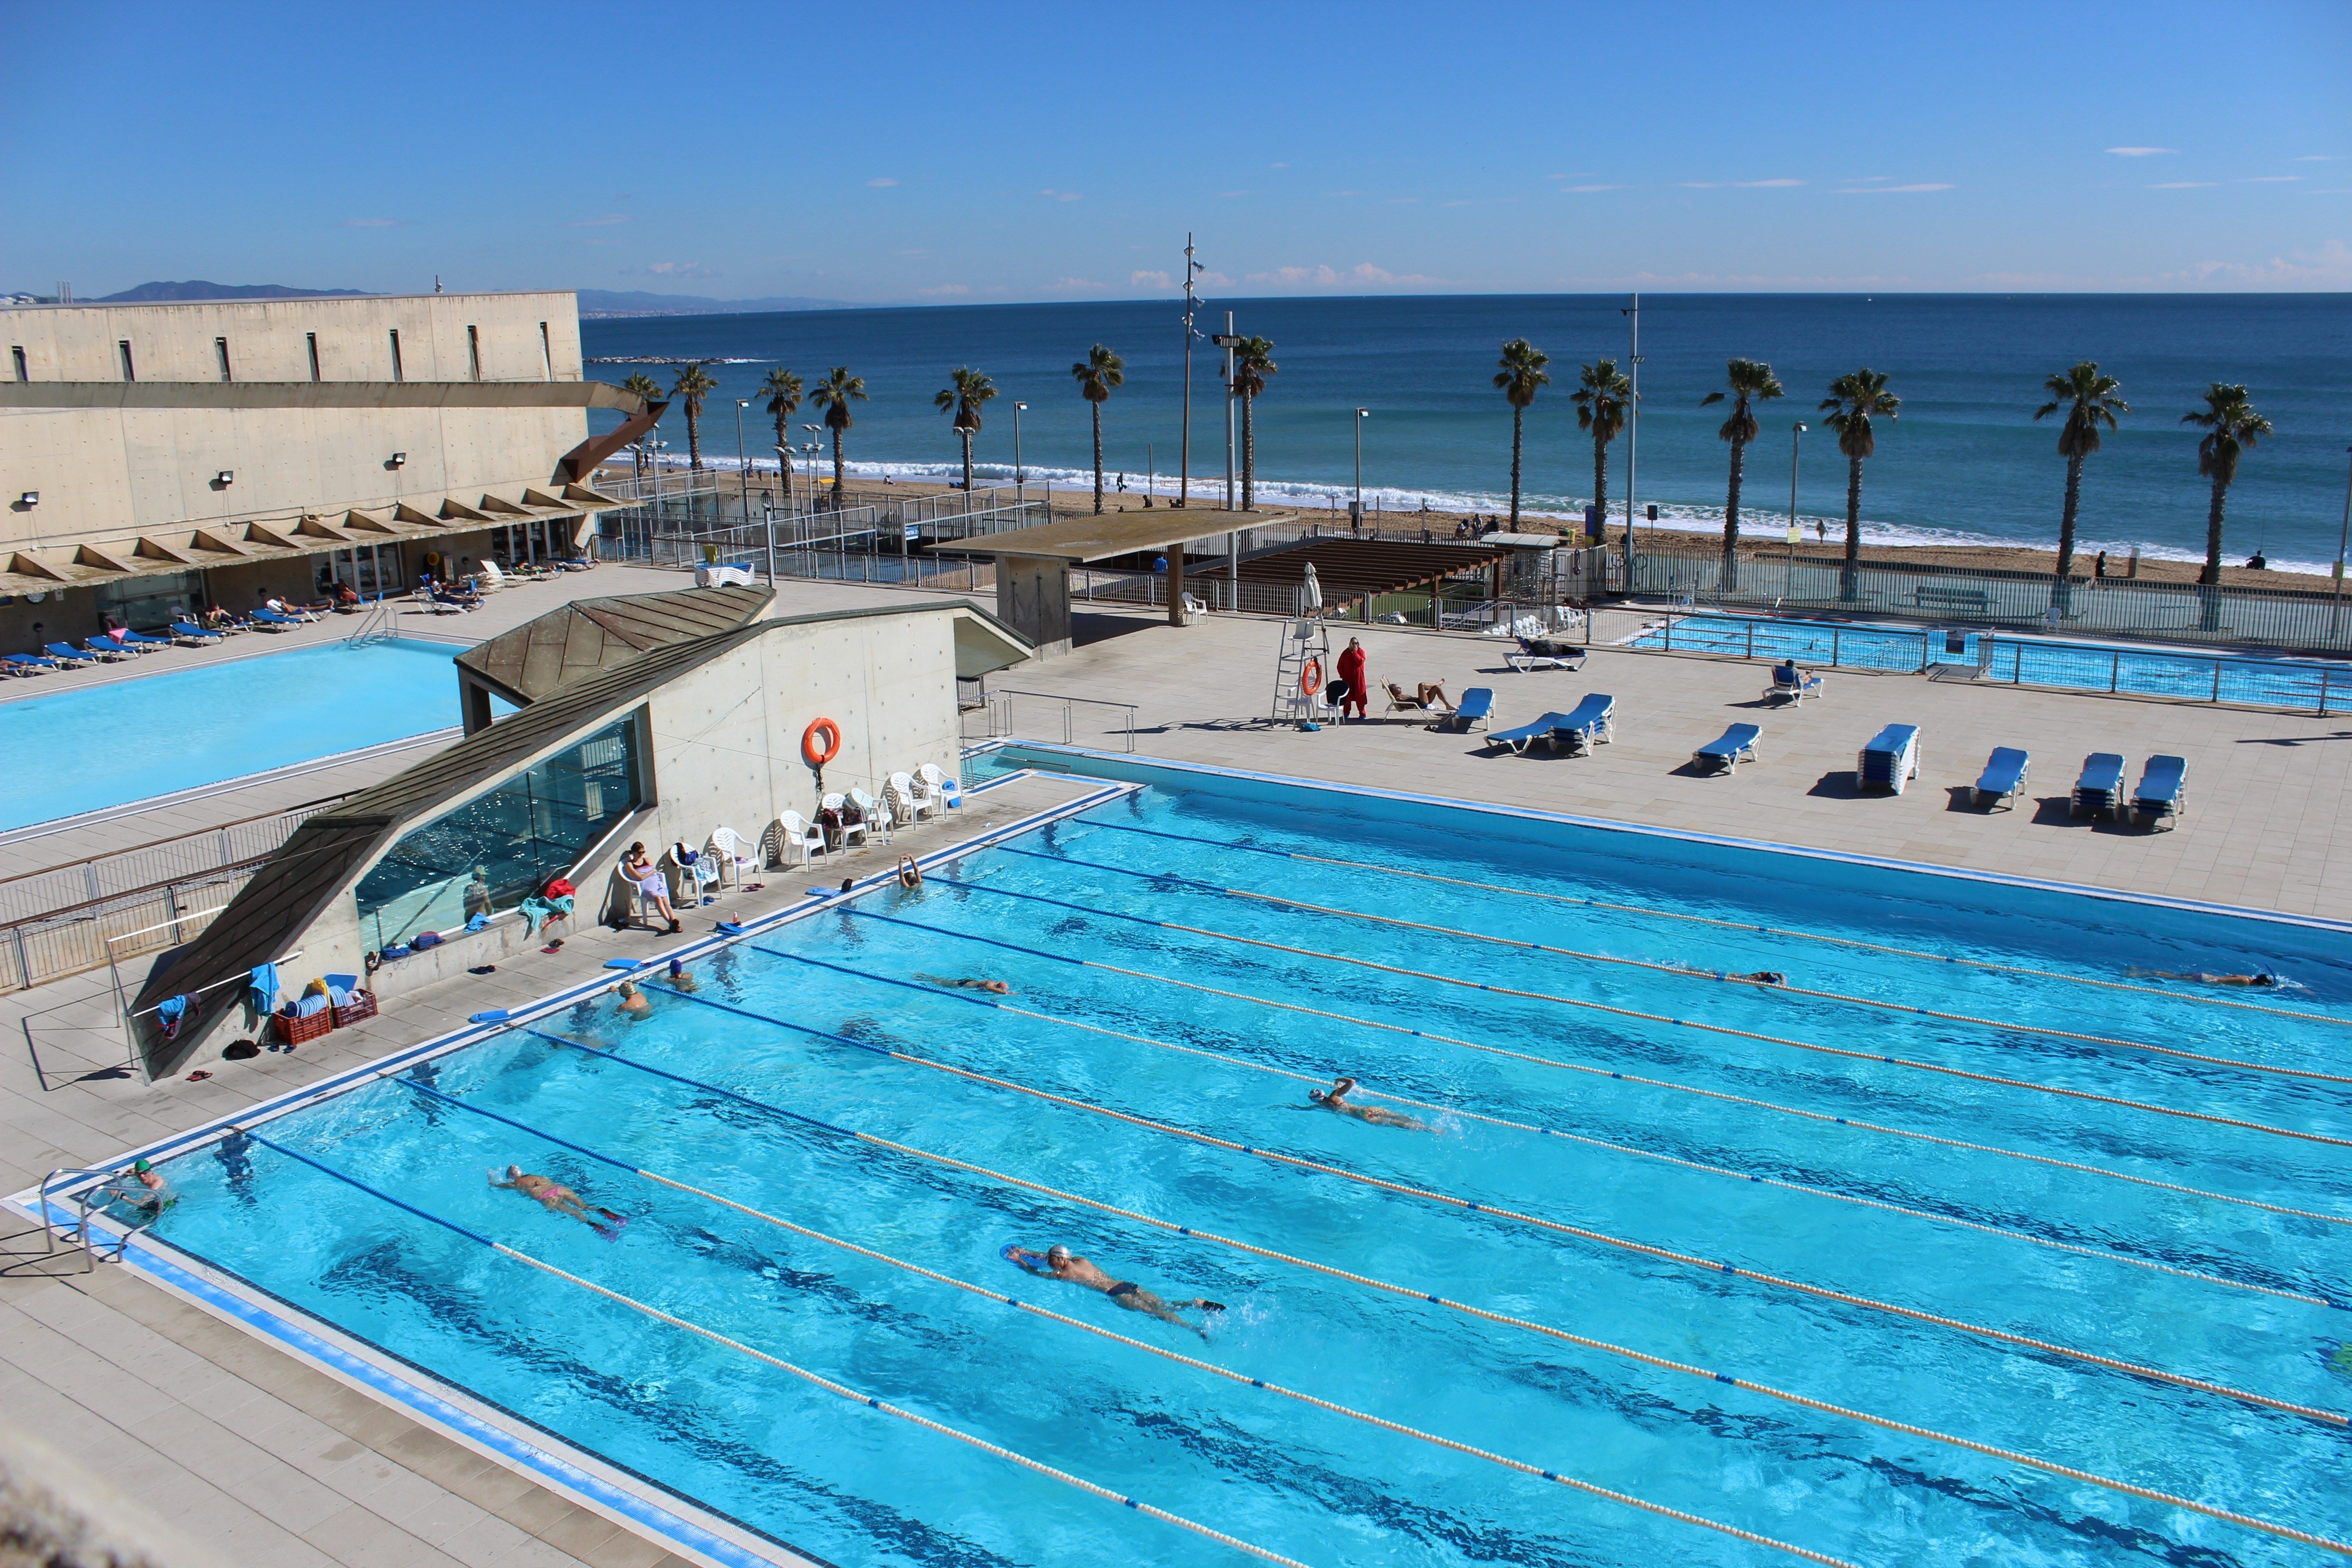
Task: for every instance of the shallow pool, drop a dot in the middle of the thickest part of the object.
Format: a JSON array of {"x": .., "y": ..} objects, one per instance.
[
  {"x": 1631, "y": 1183},
  {"x": 169, "y": 729}
]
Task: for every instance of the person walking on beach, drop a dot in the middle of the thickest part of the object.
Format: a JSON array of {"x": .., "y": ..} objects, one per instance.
[
  {"x": 1057, "y": 1262},
  {"x": 1350, "y": 668}
]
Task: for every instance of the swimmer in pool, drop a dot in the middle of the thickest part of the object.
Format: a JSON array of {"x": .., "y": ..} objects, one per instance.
[
  {"x": 1336, "y": 1099},
  {"x": 679, "y": 980},
  {"x": 633, "y": 1001},
  {"x": 967, "y": 982},
  {"x": 1754, "y": 976},
  {"x": 1057, "y": 1262},
  {"x": 557, "y": 1198},
  {"x": 146, "y": 1193},
  {"x": 2203, "y": 979}
]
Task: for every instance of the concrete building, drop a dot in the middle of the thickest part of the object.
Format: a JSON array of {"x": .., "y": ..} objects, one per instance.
[
  {"x": 157, "y": 459},
  {"x": 626, "y": 739}
]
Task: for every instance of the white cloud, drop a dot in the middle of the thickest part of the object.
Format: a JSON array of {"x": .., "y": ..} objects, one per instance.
[
  {"x": 598, "y": 222},
  {"x": 678, "y": 269},
  {"x": 1144, "y": 280},
  {"x": 2270, "y": 179},
  {"x": 2318, "y": 158},
  {"x": 2182, "y": 186},
  {"x": 1891, "y": 190},
  {"x": 1587, "y": 190},
  {"x": 1329, "y": 277},
  {"x": 1054, "y": 196},
  {"x": 2140, "y": 152},
  {"x": 1765, "y": 184},
  {"x": 1080, "y": 283},
  {"x": 883, "y": 183},
  {"x": 1865, "y": 180},
  {"x": 371, "y": 223},
  {"x": 2328, "y": 268},
  {"x": 945, "y": 291},
  {"x": 1700, "y": 184}
]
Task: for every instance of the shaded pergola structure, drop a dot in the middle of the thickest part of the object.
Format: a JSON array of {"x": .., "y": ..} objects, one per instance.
[
  {"x": 1362, "y": 570},
  {"x": 1032, "y": 564}
]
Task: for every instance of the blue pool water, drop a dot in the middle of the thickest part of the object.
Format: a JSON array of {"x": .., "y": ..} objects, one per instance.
[
  {"x": 177, "y": 729},
  {"x": 1724, "y": 1147},
  {"x": 2082, "y": 667}
]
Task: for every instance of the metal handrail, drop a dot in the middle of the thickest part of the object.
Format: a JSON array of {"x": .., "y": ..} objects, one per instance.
[
  {"x": 48, "y": 1227},
  {"x": 1067, "y": 703}
]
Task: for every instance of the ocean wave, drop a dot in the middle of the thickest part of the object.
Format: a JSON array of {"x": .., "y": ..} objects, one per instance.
[{"x": 1758, "y": 527}]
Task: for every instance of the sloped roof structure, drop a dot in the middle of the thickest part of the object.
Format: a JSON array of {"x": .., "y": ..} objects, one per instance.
[{"x": 591, "y": 636}]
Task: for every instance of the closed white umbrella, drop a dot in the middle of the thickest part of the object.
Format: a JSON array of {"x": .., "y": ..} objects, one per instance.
[{"x": 1314, "y": 590}]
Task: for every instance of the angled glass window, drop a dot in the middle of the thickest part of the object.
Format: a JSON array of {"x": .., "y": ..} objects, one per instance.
[{"x": 500, "y": 848}]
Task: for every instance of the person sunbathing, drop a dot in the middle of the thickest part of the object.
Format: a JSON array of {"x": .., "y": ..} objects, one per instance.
[
  {"x": 1336, "y": 1099},
  {"x": 1057, "y": 1262},
  {"x": 557, "y": 1198},
  {"x": 1427, "y": 696}
]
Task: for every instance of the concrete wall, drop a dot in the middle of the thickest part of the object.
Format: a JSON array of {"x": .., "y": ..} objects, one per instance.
[{"x": 107, "y": 476}]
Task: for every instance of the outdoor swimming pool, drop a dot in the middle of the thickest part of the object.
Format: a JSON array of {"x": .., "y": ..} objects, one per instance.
[
  {"x": 2308, "y": 685},
  {"x": 169, "y": 730},
  {"x": 2098, "y": 1219}
]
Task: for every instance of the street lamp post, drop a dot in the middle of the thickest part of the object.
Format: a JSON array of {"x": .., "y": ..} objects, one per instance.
[
  {"x": 1184, "y": 455},
  {"x": 1794, "y": 435},
  {"x": 816, "y": 443},
  {"x": 1356, "y": 509},
  {"x": 1020, "y": 474},
  {"x": 1632, "y": 432},
  {"x": 742, "y": 463},
  {"x": 1226, "y": 341},
  {"x": 2342, "y": 539}
]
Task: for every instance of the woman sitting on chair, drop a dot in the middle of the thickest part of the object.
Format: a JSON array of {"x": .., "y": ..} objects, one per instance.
[{"x": 652, "y": 888}]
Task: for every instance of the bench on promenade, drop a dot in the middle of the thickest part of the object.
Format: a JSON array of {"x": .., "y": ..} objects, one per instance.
[{"x": 1975, "y": 600}]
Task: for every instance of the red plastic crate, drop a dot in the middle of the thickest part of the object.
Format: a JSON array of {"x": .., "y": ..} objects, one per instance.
[
  {"x": 361, "y": 1006},
  {"x": 298, "y": 1031}
]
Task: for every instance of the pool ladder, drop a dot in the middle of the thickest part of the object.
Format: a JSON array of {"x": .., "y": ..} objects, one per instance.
[
  {"x": 375, "y": 626},
  {"x": 80, "y": 1231}
]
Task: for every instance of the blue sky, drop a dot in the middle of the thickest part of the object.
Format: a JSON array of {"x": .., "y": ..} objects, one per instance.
[{"x": 937, "y": 154}]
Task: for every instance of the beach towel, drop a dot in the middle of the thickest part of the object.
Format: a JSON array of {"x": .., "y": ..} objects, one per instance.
[
  {"x": 478, "y": 922},
  {"x": 263, "y": 986},
  {"x": 533, "y": 910}
]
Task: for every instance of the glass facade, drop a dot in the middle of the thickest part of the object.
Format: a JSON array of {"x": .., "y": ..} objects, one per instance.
[{"x": 494, "y": 851}]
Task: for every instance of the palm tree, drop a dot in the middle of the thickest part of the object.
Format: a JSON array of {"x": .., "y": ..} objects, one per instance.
[
  {"x": 650, "y": 389},
  {"x": 783, "y": 393},
  {"x": 1253, "y": 362},
  {"x": 2231, "y": 427},
  {"x": 2089, "y": 400},
  {"x": 1751, "y": 382},
  {"x": 1522, "y": 371},
  {"x": 1854, "y": 400},
  {"x": 1099, "y": 372},
  {"x": 966, "y": 391},
  {"x": 694, "y": 384},
  {"x": 834, "y": 394},
  {"x": 1604, "y": 397}
]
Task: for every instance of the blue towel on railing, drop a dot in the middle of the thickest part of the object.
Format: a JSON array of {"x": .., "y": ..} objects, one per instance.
[
  {"x": 533, "y": 910},
  {"x": 478, "y": 922},
  {"x": 265, "y": 987}
]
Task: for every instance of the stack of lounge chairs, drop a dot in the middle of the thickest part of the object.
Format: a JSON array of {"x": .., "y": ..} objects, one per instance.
[{"x": 1890, "y": 760}]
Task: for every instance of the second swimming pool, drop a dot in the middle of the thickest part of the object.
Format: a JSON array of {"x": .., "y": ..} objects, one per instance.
[{"x": 1657, "y": 1266}]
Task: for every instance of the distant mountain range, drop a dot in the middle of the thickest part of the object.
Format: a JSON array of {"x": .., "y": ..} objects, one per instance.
[
  {"x": 196, "y": 289},
  {"x": 636, "y": 302}
]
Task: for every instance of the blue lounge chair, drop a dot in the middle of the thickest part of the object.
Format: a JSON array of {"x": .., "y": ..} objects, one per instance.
[
  {"x": 2100, "y": 785},
  {"x": 1545, "y": 729},
  {"x": 30, "y": 663},
  {"x": 2163, "y": 791},
  {"x": 66, "y": 654},
  {"x": 1890, "y": 761},
  {"x": 1543, "y": 653},
  {"x": 1591, "y": 724},
  {"x": 1795, "y": 690},
  {"x": 190, "y": 633},
  {"x": 2003, "y": 778},
  {"x": 104, "y": 649},
  {"x": 1477, "y": 704},
  {"x": 1735, "y": 746},
  {"x": 266, "y": 616},
  {"x": 143, "y": 642}
]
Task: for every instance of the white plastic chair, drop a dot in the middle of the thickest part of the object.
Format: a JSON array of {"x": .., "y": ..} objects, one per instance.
[
  {"x": 945, "y": 788},
  {"x": 921, "y": 800},
  {"x": 877, "y": 816},
  {"x": 848, "y": 830},
  {"x": 793, "y": 832},
  {"x": 725, "y": 849}
]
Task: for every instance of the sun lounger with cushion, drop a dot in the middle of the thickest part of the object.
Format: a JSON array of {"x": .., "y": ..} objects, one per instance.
[
  {"x": 2004, "y": 779},
  {"x": 1542, "y": 653},
  {"x": 2100, "y": 785},
  {"x": 1794, "y": 690},
  {"x": 191, "y": 633},
  {"x": 1544, "y": 729},
  {"x": 2163, "y": 793},
  {"x": 1890, "y": 761},
  {"x": 66, "y": 654},
  {"x": 270, "y": 620},
  {"x": 1734, "y": 746},
  {"x": 142, "y": 642},
  {"x": 1401, "y": 701},
  {"x": 1477, "y": 706},
  {"x": 105, "y": 650},
  {"x": 1593, "y": 722},
  {"x": 30, "y": 663}
]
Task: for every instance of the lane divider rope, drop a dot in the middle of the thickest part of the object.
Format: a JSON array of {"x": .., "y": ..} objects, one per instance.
[
  {"x": 1783, "y": 989},
  {"x": 1589, "y": 1070},
  {"x": 1732, "y": 925},
  {"x": 1601, "y": 1237},
  {"x": 1228, "y": 1373},
  {"x": 1409, "y": 1292},
  {"x": 1436, "y": 1109},
  {"x": 1724, "y": 1029},
  {"x": 803, "y": 1373}
]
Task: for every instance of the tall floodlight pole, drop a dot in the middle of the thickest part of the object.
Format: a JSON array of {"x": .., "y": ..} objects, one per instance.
[
  {"x": 1184, "y": 452},
  {"x": 742, "y": 464},
  {"x": 1632, "y": 432},
  {"x": 2342, "y": 539},
  {"x": 1794, "y": 437},
  {"x": 1020, "y": 474},
  {"x": 1362, "y": 414},
  {"x": 1228, "y": 342}
]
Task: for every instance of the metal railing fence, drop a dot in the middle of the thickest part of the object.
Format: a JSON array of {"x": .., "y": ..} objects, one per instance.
[
  {"x": 35, "y": 951},
  {"x": 1007, "y": 709},
  {"x": 58, "y": 888}
]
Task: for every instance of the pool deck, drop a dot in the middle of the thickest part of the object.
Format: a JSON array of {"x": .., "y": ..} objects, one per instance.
[
  {"x": 277, "y": 1463},
  {"x": 270, "y": 1460}
]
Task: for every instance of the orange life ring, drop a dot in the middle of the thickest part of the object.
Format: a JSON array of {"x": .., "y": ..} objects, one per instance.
[
  {"x": 831, "y": 732},
  {"x": 1310, "y": 680}
]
